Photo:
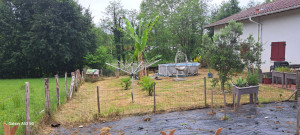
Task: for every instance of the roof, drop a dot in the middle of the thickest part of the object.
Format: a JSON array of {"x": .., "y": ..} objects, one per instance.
[{"x": 261, "y": 10}]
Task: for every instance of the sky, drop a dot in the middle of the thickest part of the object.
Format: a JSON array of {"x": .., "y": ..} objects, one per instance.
[{"x": 97, "y": 7}]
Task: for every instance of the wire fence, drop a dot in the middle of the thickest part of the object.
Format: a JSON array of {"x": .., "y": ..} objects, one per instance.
[
  {"x": 176, "y": 95},
  {"x": 12, "y": 105}
]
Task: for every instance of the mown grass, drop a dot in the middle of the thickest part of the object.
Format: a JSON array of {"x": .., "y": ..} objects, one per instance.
[
  {"x": 170, "y": 96},
  {"x": 12, "y": 105}
]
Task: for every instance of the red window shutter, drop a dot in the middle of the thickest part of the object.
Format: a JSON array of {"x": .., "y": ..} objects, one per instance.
[{"x": 278, "y": 51}]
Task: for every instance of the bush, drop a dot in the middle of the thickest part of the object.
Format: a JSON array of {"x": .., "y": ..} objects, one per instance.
[
  {"x": 126, "y": 83},
  {"x": 252, "y": 79},
  {"x": 240, "y": 82},
  {"x": 147, "y": 84},
  {"x": 283, "y": 69}
]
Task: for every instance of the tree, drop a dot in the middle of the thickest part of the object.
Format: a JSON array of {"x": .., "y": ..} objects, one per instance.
[
  {"x": 180, "y": 26},
  {"x": 45, "y": 37},
  {"x": 251, "y": 4},
  {"x": 140, "y": 38},
  {"x": 251, "y": 52},
  {"x": 226, "y": 58},
  {"x": 114, "y": 13},
  {"x": 227, "y": 9},
  {"x": 97, "y": 60}
]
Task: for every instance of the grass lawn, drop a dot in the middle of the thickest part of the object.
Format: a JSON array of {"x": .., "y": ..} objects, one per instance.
[
  {"x": 170, "y": 96},
  {"x": 12, "y": 106}
]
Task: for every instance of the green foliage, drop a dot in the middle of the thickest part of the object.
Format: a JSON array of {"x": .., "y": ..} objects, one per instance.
[
  {"x": 266, "y": 76},
  {"x": 283, "y": 69},
  {"x": 240, "y": 82},
  {"x": 12, "y": 105},
  {"x": 98, "y": 59},
  {"x": 252, "y": 79},
  {"x": 126, "y": 83},
  {"x": 43, "y": 37},
  {"x": 141, "y": 37},
  {"x": 147, "y": 84},
  {"x": 179, "y": 26},
  {"x": 251, "y": 52},
  {"x": 214, "y": 82},
  {"x": 227, "y": 9},
  {"x": 226, "y": 57},
  {"x": 209, "y": 70}
]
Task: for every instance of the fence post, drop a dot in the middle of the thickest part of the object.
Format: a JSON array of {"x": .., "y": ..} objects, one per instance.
[
  {"x": 205, "y": 91},
  {"x": 98, "y": 101},
  {"x": 298, "y": 115},
  {"x": 72, "y": 84},
  {"x": 47, "y": 100},
  {"x": 27, "y": 132},
  {"x": 154, "y": 105},
  {"x": 82, "y": 78},
  {"x": 66, "y": 84},
  {"x": 297, "y": 85},
  {"x": 76, "y": 80},
  {"x": 57, "y": 90}
]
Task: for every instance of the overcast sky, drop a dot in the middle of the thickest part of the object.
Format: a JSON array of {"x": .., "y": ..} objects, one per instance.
[{"x": 97, "y": 7}]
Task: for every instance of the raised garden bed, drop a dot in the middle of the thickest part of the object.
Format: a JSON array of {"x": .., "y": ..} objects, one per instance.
[
  {"x": 288, "y": 78},
  {"x": 238, "y": 91},
  {"x": 276, "y": 76}
]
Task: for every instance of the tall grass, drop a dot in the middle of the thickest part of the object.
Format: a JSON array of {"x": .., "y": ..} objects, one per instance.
[{"x": 12, "y": 104}]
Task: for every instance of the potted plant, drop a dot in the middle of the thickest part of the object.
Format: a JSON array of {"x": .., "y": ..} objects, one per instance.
[
  {"x": 209, "y": 74},
  {"x": 242, "y": 86},
  {"x": 267, "y": 79}
]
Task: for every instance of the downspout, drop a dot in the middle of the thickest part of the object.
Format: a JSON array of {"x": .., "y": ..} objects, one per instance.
[{"x": 259, "y": 32}]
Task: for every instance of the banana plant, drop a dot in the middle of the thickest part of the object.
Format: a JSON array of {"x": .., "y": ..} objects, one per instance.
[{"x": 140, "y": 37}]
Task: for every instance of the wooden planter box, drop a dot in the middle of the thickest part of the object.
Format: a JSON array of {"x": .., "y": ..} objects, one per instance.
[
  {"x": 238, "y": 91},
  {"x": 289, "y": 77},
  {"x": 267, "y": 80},
  {"x": 278, "y": 75}
]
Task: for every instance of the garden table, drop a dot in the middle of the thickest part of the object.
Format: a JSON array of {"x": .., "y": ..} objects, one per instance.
[
  {"x": 238, "y": 91},
  {"x": 289, "y": 77},
  {"x": 278, "y": 75}
]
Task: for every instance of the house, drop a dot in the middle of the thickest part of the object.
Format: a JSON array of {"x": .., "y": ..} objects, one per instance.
[{"x": 277, "y": 22}]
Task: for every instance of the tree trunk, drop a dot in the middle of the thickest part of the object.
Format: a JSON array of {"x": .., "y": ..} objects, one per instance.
[
  {"x": 222, "y": 87},
  {"x": 141, "y": 59}
]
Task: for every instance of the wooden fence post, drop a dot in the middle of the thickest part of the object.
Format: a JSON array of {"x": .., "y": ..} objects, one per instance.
[
  {"x": 154, "y": 104},
  {"x": 76, "y": 80},
  {"x": 98, "y": 101},
  {"x": 47, "y": 100},
  {"x": 72, "y": 84},
  {"x": 27, "y": 110},
  {"x": 66, "y": 85},
  {"x": 82, "y": 78},
  {"x": 205, "y": 91},
  {"x": 57, "y": 90},
  {"x": 297, "y": 86},
  {"x": 298, "y": 117}
]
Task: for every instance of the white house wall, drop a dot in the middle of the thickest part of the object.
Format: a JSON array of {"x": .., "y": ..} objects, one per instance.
[{"x": 275, "y": 28}]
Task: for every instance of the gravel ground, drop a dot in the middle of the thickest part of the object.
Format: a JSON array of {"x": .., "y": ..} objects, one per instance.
[{"x": 270, "y": 119}]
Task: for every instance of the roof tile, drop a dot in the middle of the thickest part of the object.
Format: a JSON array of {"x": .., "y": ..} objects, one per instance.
[{"x": 263, "y": 9}]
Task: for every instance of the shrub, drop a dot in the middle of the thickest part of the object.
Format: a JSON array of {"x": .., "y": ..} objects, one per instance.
[
  {"x": 283, "y": 69},
  {"x": 126, "y": 83},
  {"x": 147, "y": 84},
  {"x": 240, "y": 82},
  {"x": 252, "y": 79}
]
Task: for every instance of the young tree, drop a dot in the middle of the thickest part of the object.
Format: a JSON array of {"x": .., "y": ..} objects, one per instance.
[
  {"x": 225, "y": 58},
  {"x": 140, "y": 38}
]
